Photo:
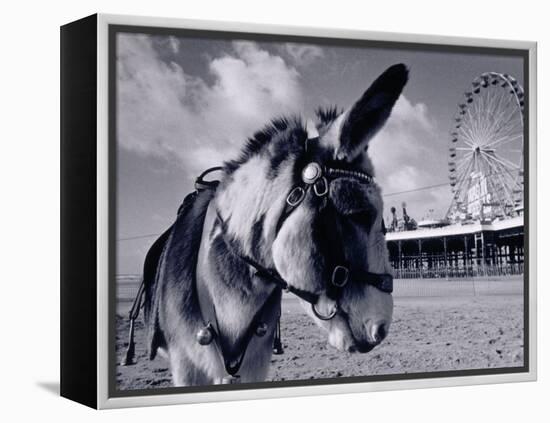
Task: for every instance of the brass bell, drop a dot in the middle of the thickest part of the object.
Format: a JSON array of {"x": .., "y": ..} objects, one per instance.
[
  {"x": 205, "y": 335},
  {"x": 278, "y": 347},
  {"x": 261, "y": 329}
]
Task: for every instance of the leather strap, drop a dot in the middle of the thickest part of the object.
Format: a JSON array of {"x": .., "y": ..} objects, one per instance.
[
  {"x": 272, "y": 276},
  {"x": 202, "y": 184},
  {"x": 382, "y": 281},
  {"x": 232, "y": 362}
]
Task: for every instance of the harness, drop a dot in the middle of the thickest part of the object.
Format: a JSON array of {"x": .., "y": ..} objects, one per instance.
[{"x": 315, "y": 179}]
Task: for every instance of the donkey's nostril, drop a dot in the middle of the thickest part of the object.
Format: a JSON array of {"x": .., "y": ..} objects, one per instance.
[
  {"x": 382, "y": 331},
  {"x": 376, "y": 331}
]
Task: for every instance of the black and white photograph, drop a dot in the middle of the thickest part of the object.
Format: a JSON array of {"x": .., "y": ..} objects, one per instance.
[
  {"x": 275, "y": 212},
  {"x": 294, "y": 210}
]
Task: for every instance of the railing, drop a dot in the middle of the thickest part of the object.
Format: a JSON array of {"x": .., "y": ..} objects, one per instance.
[
  {"x": 512, "y": 269},
  {"x": 469, "y": 287},
  {"x": 492, "y": 280},
  {"x": 127, "y": 287}
]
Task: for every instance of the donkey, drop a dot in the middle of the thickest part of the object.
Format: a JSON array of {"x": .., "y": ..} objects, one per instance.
[{"x": 298, "y": 210}]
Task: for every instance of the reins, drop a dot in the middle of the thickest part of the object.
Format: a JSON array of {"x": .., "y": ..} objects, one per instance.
[{"x": 133, "y": 315}]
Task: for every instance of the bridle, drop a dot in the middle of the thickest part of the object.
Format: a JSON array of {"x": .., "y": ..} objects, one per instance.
[{"x": 316, "y": 179}]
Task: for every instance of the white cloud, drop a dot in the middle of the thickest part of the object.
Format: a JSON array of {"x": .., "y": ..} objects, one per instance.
[
  {"x": 174, "y": 44},
  {"x": 407, "y": 155},
  {"x": 404, "y": 112},
  {"x": 303, "y": 54},
  {"x": 165, "y": 112}
]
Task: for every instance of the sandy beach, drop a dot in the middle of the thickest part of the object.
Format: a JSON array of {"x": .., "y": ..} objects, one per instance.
[{"x": 427, "y": 334}]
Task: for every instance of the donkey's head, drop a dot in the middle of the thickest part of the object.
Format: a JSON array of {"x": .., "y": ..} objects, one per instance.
[{"x": 303, "y": 202}]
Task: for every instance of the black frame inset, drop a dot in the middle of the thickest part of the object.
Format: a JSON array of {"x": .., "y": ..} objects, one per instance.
[{"x": 78, "y": 305}]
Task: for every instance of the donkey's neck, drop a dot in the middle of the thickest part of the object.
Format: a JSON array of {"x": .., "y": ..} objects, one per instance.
[{"x": 235, "y": 293}]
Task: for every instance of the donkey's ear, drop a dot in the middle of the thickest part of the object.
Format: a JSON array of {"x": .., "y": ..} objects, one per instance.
[{"x": 370, "y": 112}]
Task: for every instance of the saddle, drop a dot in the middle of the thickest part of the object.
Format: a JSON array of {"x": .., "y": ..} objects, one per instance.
[{"x": 190, "y": 218}]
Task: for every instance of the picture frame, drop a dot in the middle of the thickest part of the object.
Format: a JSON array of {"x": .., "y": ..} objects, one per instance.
[{"x": 90, "y": 217}]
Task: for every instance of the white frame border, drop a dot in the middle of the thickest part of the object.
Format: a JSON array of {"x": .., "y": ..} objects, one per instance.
[{"x": 103, "y": 401}]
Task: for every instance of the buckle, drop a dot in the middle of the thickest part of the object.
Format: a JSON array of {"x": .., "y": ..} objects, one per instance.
[
  {"x": 340, "y": 276},
  {"x": 321, "y": 187},
  {"x": 295, "y": 196},
  {"x": 323, "y": 316},
  {"x": 386, "y": 283}
]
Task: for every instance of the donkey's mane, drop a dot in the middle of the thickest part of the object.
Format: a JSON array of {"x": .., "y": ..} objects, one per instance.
[
  {"x": 291, "y": 128},
  {"x": 256, "y": 144},
  {"x": 327, "y": 115}
]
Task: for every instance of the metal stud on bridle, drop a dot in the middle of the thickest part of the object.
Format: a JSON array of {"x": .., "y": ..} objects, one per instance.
[
  {"x": 312, "y": 177},
  {"x": 311, "y": 173}
]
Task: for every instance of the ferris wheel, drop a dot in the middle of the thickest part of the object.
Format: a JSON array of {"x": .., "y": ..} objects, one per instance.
[{"x": 486, "y": 150}]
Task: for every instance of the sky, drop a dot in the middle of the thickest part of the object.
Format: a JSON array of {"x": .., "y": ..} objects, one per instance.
[{"x": 185, "y": 104}]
